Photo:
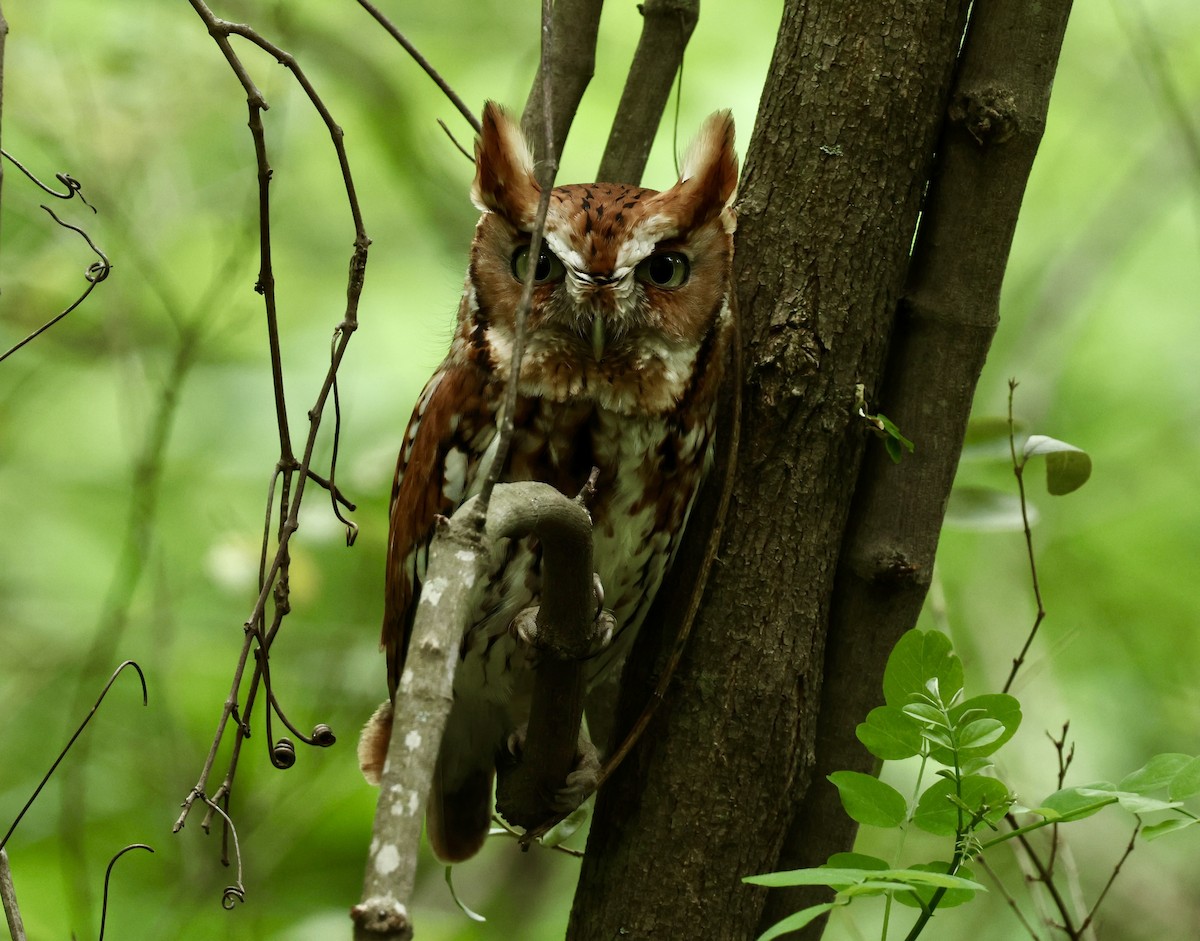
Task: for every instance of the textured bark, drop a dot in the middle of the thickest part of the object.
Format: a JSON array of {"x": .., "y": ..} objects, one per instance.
[
  {"x": 944, "y": 325},
  {"x": 834, "y": 175}
]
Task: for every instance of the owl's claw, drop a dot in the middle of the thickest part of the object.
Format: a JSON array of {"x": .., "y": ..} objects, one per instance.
[
  {"x": 600, "y": 634},
  {"x": 580, "y": 783}
]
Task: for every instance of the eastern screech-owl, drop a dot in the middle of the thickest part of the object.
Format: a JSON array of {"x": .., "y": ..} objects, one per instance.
[{"x": 629, "y": 327}]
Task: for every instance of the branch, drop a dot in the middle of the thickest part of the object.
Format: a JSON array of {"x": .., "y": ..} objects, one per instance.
[
  {"x": 666, "y": 28},
  {"x": 945, "y": 320},
  {"x": 567, "y": 68},
  {"x": 460, "y": 557},
  {"x": 274, "y": 576},
  {"x": 424, "y": 63},
  {"x": 8, "y": 892}
]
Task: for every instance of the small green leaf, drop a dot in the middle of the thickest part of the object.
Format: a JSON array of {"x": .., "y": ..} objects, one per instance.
[
  {"x": 1141, "y": 804},
  {"x": 938, "y": 812},
  {"x": 1000, "y": 707},
  {"x": 1155, "y": 774},
  {"x": 893, "y": 440},
  {"x": 926, "y": 714},
  {"x": 1186, "y": 782},
  {"x": 1170, "y": 825},
  {"x": 955, "y": 894},
  {"x": 474, "y": 916},
  {"x": 889, "y": 734},
  {"x": 918, "y": 657},
  {"x": 567, "y": 827},
  {"x": 817, "y": 875},
  {"x": 1067, "y": 467},
  {"x": 868, "y": 800},
  {"x": 1075, "y": 803},
  {"x": 855, "y": 861},
  {"x": 796, "y": 921},
  {"x": 980, "y": 733}
]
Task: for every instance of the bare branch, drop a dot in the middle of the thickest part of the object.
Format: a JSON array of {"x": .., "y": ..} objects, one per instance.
[
  {"x": 96, "y": 272},
  {"x": 567, "y": 68},
  {"x": 66, "y": 748},
  {"x": 424, "y": 63},
  {"x": 108, "y": 873},
  {"x": 274, "y": 576},
  {"x": 666, "y": 28},
  {"x": 8, "y": 892}
]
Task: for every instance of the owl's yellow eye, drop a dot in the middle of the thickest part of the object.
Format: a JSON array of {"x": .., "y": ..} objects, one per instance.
[
  {"x": 665, "y": 269},
  {"x": 548, "y": 268}
]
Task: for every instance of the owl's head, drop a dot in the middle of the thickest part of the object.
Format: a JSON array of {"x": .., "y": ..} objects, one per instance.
[{"x": 632, "y": 285}]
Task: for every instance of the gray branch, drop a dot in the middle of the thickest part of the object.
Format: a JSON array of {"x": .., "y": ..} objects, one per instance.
[
  {"x": 574, "y": 24},
  {"x": 460, "y": 557},
  {"x": 8, "y": 898},
  {"x": 666, "y": 28}
]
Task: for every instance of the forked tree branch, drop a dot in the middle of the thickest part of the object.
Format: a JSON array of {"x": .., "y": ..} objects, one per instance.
[{"x": 666, "y": 28}]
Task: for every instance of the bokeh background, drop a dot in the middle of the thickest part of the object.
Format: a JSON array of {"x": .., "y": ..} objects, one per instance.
[{"x": 138, "y": 436}]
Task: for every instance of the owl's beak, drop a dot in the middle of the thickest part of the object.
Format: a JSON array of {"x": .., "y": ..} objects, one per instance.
[{"x": 598, "y": 338}]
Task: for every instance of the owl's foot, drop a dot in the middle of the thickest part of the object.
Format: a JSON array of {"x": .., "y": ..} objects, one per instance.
[
  {"x": 600, "y": 632},
  {"x": 580, "y": 782}
]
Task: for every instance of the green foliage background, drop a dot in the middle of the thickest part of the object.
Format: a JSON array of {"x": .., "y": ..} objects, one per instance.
[{"x": 137, "y": 437}]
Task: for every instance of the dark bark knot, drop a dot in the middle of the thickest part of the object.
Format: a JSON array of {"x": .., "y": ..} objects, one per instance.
[{"x": 989, "y": 115}]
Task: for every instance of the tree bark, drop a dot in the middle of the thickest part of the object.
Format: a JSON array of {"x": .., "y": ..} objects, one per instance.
[
  {"x": 830, "y": 197},
  {"x": 945, "y": 321}
]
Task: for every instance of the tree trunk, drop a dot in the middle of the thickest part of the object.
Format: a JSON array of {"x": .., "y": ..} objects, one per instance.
[{"x": 834, "y": 176}]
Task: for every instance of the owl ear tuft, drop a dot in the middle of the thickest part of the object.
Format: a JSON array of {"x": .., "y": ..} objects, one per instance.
[
  {"x": 504, "y": 180},
  {"x": 709, "y": 175}
]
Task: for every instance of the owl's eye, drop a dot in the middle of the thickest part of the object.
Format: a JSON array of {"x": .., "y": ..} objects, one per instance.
[
  {"x": 549, "y": 268},
  {"x": 665, "y": 269}
]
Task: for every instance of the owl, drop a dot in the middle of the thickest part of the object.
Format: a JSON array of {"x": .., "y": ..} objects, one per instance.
[{"x": 632, "y": 316}]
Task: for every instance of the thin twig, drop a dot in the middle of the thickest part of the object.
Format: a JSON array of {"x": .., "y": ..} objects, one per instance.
[
  {"x": 1007, "y": 896},
  {"x": 548, "y": 168},
  {"x": 96, "y": 272},
  {"x": 454, "y": 140},
  {"x": 108, "y": 873},
  {"x": 274, "y": 576},
  {"x": 1046, "y": 877},
  {"x": 1112, "y": 878},
  {"x": 1019, "y": 470},
  {"x": 79, "y": 731},
  {"x": 74, "y": 187},
  {"x": 423, "y": 63}
]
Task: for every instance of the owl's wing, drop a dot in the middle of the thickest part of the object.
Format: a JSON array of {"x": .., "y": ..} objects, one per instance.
[{"x": 450, "y": 430}]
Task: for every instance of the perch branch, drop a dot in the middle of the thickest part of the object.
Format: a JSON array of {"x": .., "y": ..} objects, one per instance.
[
  {"x": 666, "y": 28},
  {"x": 8, "y": 897}
]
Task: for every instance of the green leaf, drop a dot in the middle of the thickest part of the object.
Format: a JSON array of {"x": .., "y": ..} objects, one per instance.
[
  {"x": 473, "y": 915},
  {"x": 868, "y": 800},
  {"x": 1141, "y": 804},
  {"x": 1170, "y": 825},
  {"x": 918, "y": 657},
  {"x": 817, "y": 875},
  {"x": 937, "y": 810},
  {"x": 889, "y": 734},
  {"x": 567, "y": 827},
  {"x": 956, "y": 892},
  {"x": 1075, "y": 803},
  {"x": 926, "y": 714},
  {"x": 1186, "y": 782},
  {"x": 796, "y": 921},
  {"x": 999, "y": 707},
  {"x": 980, "y": 733},
  {"x": 1155, "y": 774},
  {"x": 987, "y": 510},
  {"x": 1067, "y": 467},
  {"x": 855, "y": 861},
  {"x": 894, "y": 441}
]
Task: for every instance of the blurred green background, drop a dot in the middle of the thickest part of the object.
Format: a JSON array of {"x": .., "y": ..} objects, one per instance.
[{"x": 132, "y": 518}]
